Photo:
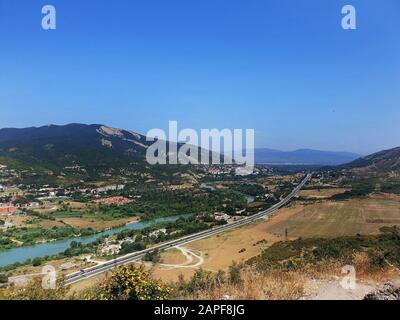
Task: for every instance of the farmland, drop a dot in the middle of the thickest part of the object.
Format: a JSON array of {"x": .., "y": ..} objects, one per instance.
[{"x": 325, "y": 219}]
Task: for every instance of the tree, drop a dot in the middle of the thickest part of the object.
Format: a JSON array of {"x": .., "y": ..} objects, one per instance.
[
  {"x": 36, "y": 262},
  {"x": 220, "y": 278},
  {"x": 235, "y": 276},
  {"x": 130, "y": 283},
  {"x": 201, "y": 280},
  {"x": 153, "y": 256},
  {"x": 3, "y": 278}
]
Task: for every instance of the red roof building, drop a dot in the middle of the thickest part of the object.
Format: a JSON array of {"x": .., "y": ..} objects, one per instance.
[{"x": 119, "y": 201}]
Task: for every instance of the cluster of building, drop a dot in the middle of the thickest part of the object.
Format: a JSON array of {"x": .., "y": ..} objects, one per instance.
[
  {"x": 114, "y": 247},
  {"x": 47, "y": 191},
  {"x": 118, "y": 200},
  {"x": 8, "y": 208},
  {"x": 110, "y": 249},
  {"x": 329, "y": 178},
  {"x": 235, "y": 169},
  {"x": 217, "y": 170},
  {"x": 6, "y": 174},
  {"x": 45, "y": 194}
]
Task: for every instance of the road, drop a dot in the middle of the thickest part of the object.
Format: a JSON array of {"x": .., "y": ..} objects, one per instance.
[{"x": 135, "y": 256}]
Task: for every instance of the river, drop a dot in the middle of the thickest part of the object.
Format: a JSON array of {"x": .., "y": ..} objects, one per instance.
[{"x": 21, "y": 254}]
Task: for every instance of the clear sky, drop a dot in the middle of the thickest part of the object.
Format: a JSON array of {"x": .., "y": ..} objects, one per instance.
[{"x": 283, "y": 67}]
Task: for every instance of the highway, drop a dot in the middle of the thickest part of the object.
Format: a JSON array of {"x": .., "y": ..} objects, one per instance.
[{"x": 135, "y": 256}]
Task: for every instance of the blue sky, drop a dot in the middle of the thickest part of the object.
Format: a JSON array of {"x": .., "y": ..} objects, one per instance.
[{"x": 283, "y": 67}]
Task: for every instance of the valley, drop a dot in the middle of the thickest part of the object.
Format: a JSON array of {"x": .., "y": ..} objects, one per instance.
[{"x": 77, "y": 213}]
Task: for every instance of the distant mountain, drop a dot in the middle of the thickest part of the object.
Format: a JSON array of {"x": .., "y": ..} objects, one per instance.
[
  {"x": 75, "y": 152},
  {"x": 55, "y": 147},
  {"x": 78, "y": 151},
  {"x": 303, "y": 157},
  {"x": 386, "y": 160}
]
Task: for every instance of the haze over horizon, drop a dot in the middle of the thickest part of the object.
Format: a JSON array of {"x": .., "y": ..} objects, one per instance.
[{"x": 293, "y": 75}]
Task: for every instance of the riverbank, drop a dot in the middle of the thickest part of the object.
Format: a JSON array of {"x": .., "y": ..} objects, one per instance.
[{"x": 49, "y": 249}]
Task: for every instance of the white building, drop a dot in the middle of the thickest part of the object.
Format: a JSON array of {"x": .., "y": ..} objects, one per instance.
[
  {"x": 111, "y": 249},
  {"x": 156, "y": 233},
  {"x": 221, "y": 216},
  {"x": 6, "y": 225}
]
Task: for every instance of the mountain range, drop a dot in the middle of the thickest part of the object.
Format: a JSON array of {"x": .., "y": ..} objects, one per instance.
[
  {"x": 99, "y": 148},
  {"x": 55, "y": 147},
  {"x": 386, "y": 160}
]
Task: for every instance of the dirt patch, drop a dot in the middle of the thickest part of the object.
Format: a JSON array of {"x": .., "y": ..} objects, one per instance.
[
  {"x": 173, "y": 256},
  {"x": 19, "y": 220},
  {"x": 48, "y": 224},
  {"x": 333, "y": 290},
  {"x": 221, "y": 250}
]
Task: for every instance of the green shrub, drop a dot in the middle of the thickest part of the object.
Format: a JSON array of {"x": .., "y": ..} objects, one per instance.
[
  {"x": 3, "y": 278},
  {"x": 130, "y": 283},
  {"x": 37, "y": 262}
]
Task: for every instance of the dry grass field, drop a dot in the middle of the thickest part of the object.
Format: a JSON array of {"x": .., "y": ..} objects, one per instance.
[
  {"x": 320, "y": 219},
  {"x": 220, "y": 251},
  {"x": 333, "y": 219},
  {"x": 11, "y": 191},
  {"x": 322, "y": 193},
  {"x": 173, "y": 256},
  {"x": 97, "y": 224},
  {"x": 30, "y": 222}
]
